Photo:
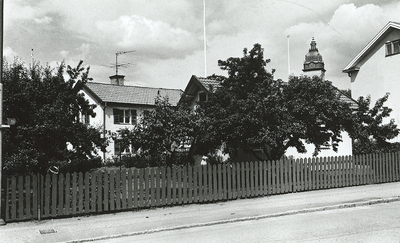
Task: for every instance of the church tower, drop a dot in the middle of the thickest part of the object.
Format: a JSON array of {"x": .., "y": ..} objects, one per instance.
[{"x": 313, "y": 64}]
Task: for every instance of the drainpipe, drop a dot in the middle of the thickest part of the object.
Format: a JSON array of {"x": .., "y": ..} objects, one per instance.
[{"x": 104, "y": 127}]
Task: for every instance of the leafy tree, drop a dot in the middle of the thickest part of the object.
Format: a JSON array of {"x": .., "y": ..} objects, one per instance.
[
  {"x": 370, "y": 134},
  {"x": 47, "y": 109},
  {"x": 162, "y": 134},
  {"x": 252, "y": 110}
]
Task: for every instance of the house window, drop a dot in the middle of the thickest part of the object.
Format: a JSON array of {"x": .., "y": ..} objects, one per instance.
[
  {"x": 134, "y": 116},
  {"x": 392, "y": 47},
  {"x": 124, "y": 116},
  {"x": 202, "y": 96}
]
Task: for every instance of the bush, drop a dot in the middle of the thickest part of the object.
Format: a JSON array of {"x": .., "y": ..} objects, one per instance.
[{"x": 21, "y": 163}]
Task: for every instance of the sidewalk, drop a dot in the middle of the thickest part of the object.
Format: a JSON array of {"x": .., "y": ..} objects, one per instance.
[{"x": 108, "y": 226}]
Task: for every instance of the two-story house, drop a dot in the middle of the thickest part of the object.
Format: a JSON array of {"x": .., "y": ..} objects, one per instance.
[
  {"x": 375, "y": 70},
  {"x": 120, "y": 106}
]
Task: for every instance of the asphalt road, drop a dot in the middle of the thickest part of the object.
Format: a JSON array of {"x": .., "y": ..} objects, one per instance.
[{"x": 375, "y": 223}]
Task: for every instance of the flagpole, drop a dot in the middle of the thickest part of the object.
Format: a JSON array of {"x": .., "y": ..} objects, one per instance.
[
  {"x": 205, "y": 38},
  {"x": 2, "y": 222},
  {"x": 288, "y": 54}
]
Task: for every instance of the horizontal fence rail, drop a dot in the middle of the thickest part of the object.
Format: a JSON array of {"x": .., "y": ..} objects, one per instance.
[{"x": 52, "y": 196}]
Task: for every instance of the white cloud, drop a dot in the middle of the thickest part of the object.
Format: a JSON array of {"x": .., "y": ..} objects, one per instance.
[
  {"x": 64, "y": 53},
  {"x": 84, "y": 51},
  {"x": 148, "y": 36},
  {"x": 43, "y": 20}
]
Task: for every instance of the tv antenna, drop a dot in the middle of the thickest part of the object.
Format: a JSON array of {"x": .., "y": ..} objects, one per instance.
[{"x": 120, "y": 65}]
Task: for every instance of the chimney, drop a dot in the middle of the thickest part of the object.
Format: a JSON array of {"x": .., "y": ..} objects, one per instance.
[{"x": 117, "y": 79}]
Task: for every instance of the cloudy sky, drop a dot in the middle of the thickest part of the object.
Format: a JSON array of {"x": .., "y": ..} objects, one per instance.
[{"x": 167, "y": 35}]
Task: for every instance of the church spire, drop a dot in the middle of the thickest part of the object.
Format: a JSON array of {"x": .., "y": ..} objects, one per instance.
[{"x": 313, "y": 64}]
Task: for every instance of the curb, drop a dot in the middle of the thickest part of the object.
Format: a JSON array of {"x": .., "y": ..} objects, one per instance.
[{"x": 274, "y": 215}]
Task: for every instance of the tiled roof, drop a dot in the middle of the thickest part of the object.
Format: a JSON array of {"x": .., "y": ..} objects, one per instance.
[
  {"x": 347, "y": 99},
  {"x": 209, "y": 84},
  {"x": 131, "y": 94}
]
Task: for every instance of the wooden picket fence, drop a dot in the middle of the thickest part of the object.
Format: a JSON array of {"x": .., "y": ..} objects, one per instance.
[{"x": 54, "y": 196}]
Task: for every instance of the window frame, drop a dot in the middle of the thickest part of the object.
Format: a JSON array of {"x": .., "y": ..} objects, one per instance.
[
  {"x": 392, "y": 47},
  {"x": 124, "y": 116},
  {"x": 202, "y": 96}
]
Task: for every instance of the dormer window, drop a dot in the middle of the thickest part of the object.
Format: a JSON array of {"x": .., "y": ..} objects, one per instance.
[
  {"x": 202, "y": 96},
  {"x": 392, "y": 47}
]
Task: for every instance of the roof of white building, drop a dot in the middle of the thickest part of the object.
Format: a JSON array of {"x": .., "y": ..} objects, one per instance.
[
  {"x": 353, "y": 64},
  {"x": 125, "y": 94}
]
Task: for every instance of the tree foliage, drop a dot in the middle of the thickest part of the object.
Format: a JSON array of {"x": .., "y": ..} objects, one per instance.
[
  {"x": 47, "y": 109},
  {"x": 370, "y": 133},
  {"x": 162, "y": 134},
  {"x": 252, "y": 110}
]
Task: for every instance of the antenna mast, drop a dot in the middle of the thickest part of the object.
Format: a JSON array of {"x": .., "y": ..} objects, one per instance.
[{"x": 116, "y": 60}]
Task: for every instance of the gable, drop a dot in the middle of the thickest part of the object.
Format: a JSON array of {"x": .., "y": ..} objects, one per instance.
[
  {"x": 390, "y": 32},
  {"x": 198, "y": 85}
]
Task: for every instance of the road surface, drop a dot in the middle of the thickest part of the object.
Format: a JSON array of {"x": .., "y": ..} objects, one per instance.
[{"x": 376, "y": 223}]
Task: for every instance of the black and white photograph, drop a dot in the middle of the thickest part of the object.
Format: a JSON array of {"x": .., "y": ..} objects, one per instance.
[{"x": 199, "y": 121}]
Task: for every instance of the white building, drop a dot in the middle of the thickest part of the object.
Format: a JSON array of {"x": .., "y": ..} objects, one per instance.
[
  {"x": 375, "y": 70},
  {"x": 120, "y": 106}
]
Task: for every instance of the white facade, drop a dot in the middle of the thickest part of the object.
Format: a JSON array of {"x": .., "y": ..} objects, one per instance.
[
  {"x": 344, "y": 149},
  {"x": 119, "y": 106},
  {"x": 375, "y": 72}
]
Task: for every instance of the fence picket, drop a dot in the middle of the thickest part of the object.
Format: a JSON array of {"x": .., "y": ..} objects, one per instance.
[
  {"x": 174, "y": 198},
  {"x": 157, "y": 188},
  {"x": 214, "y": 179},
  {"x": 328, "y": 179},
  {"x": 273, "y": 177},
  {"x": 309, "y": 168},
  {"x": 281, "y": 176},
  {"x": 265, "y": 178},
  {"x": 123, "y": 189},
  {"x": 396, "y": 166},
  {"x": 251, "y": 177},
  {"x": 147, "y": 187},
  {"x": 26, "y": 210},
  {"x": 35, "y": 194},
  {"x": 168, "y": 201},
  {"x": 67, "y": 207},
  {"x": 290, "y": 174},
  {"x": 179, "y": 185},
  {"x": 106, "y": 192},
  {"x": 13, "y": 198},
  {"x": 239, "y": 178},
  {"x": 199, "y": 174},
  {"x": 184, "y": 185},
  {"x": 112, "y": 190},
  {"x": 220, "y": 182},
  {"x": 190, "y": 184},
  {"x": 225, "y": 183},
  {"x": 74, "y": 194},
  {"x": 99, "y": 192},
  {"x": 389, "y": 167},
  {"x": 287, "y": 182}
]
